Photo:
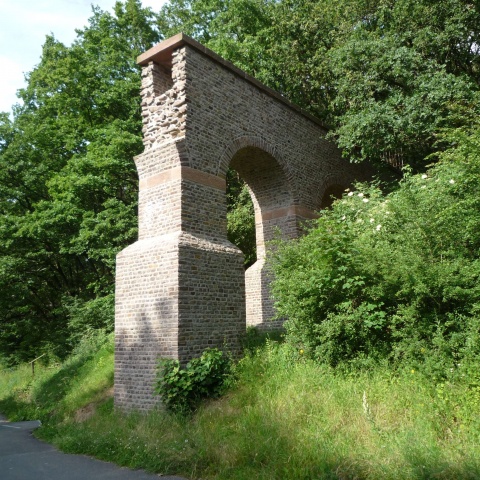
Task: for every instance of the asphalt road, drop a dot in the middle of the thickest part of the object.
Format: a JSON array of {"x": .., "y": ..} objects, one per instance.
[{"x": 23, "y": 457}]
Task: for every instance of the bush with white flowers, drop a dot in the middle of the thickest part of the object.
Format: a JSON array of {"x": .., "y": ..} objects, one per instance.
[{"x": 391, "y": 277}]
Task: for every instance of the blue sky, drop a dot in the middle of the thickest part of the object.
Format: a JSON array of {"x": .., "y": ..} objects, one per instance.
[{"x": 23, "y": 27}]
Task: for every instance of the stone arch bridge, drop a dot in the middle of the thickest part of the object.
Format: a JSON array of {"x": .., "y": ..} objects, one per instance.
[{"x": 182, "y": 287}]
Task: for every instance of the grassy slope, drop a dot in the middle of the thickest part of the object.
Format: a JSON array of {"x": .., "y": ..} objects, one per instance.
[
  {"x": 285, "y": 419},
  {"x": 57, "y": 393}
]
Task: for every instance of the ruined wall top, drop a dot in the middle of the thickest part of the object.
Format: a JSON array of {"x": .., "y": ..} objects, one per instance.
[{"x": 162, "y": 54}]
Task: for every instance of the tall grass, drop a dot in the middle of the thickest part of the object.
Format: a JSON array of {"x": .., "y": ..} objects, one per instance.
[
  {"x": 59, "y": 391},
  {"x": 286, "y": 418}
]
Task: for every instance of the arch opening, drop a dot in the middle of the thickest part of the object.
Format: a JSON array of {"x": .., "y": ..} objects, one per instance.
[
  {"x": 332, "y": 193},
  {"x": 270, "y": 193},
  {"x": 241, "y": 217},
  {"x": 261, "y": 176}
]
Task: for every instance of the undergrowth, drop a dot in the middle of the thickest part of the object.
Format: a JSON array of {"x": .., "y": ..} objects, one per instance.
[
  {"x": 182, "y": 389},
  {"x": 56, "y": 392},
  {"x": 286, "y": 417}
]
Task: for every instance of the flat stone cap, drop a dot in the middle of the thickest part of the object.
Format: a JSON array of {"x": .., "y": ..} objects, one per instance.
[{"x": 162, "y": 55}]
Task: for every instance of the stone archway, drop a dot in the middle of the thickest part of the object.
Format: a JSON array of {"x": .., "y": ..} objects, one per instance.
[
  {"x": 267, "y": 177},
  {"x": 181, "y": 287}
]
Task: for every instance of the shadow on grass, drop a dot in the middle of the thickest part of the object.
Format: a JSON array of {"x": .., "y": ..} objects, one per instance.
[
  {"x": 43, "y": 396},
  {"x": 255, "y": 338},
  {"x": 427, "y": 464}
]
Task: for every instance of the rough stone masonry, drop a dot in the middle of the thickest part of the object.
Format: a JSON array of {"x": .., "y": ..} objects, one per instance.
[{"x": 181, "y": 287}]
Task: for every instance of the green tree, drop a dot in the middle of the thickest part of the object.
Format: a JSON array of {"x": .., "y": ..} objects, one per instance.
[
  {"x": 68, "y": 185},
  {"x": 386, "y": 76},
  {"x": 241, "y": 217},
  {"x": 407, "y": 70}
]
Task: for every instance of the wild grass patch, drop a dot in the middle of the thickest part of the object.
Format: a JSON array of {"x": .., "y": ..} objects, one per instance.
[{"x": 286, "y": 417}]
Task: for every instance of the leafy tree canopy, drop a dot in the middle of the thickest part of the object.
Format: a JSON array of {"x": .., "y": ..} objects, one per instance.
[
  {"x": 385, "y": 76},
  {"x": 388, "y": 77},
  {"x": 68, "y": 185}
]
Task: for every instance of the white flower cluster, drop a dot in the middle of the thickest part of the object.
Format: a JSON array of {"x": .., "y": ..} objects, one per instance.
[
  {"x": 360, "y": 195},
  {"x": 425, "y": 177}
]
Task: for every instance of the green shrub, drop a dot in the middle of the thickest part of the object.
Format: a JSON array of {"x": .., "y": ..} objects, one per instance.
[
  {"x": 255, "y": 338},
  {"x": 391, "y": 277},
  {"x": 89, "y": 316},
  {"x": 182, "y": 389}
]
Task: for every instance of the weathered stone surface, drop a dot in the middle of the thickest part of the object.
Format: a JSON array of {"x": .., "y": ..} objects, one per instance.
[{"x": 181, "y": 288}]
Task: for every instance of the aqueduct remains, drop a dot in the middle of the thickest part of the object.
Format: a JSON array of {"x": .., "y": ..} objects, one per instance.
[{"x": 182, "y": 287}]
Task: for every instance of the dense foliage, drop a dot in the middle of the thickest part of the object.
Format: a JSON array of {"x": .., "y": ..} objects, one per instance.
[
  {"x": 241, "y": 217},
  {"x": 68, "y": 185},
  {"x": 393, "y": 277},
  {"x": 182, "y": 389},
  {"x": 388, "y": 77}
]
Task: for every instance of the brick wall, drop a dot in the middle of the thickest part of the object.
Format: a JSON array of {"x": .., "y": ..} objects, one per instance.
[{"x": 181, "y": 287}]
